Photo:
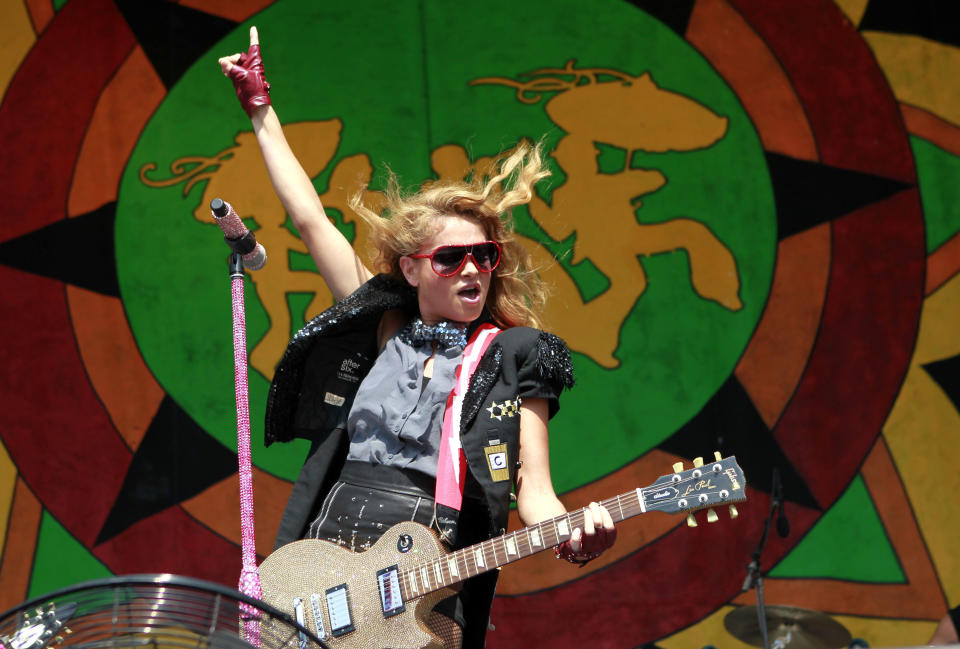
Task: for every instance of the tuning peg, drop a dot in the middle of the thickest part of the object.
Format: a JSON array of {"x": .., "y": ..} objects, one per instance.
[
  {"x": 733, "y": 511},
  {"x": 691, "y": 521},
  {"x": 698, "y": 461},
  {"x": 717, "y": 456},
  {"x": 677, "y": 467},
  {"x": 712, "y": 516}
]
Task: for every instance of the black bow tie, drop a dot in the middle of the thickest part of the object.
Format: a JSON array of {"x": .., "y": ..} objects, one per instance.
[{"x": 445, "y": 334}]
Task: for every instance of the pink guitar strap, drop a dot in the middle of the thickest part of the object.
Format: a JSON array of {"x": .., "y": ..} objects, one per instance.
[{"x": 452, "y": 473}]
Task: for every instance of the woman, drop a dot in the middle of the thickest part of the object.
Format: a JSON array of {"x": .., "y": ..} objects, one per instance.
[{"x": 369, "y": 380}]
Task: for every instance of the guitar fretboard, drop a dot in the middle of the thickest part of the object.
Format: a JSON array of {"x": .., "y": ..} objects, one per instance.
[{"x": 462, "y": 564}]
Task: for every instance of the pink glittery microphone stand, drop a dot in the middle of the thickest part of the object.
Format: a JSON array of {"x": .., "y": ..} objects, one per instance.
[
  {"x": 236, "y": 236},
  {"x": 249, "y": 576}
]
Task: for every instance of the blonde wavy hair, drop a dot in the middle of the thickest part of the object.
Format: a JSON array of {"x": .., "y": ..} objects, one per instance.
[{"x": 517, "y": 294}]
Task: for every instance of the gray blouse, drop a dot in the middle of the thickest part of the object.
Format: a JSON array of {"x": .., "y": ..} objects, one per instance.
[{"x": 396, "y": 419}]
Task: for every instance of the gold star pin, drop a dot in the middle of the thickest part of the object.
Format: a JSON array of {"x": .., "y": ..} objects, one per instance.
[{"x": 499, "y": 411}]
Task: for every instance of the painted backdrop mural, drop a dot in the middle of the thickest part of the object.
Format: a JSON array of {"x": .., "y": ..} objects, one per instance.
[{"x": 750, "y": 232}]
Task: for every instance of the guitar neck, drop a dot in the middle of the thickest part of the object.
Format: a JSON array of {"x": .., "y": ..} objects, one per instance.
[
  {"x": 476, "y": 559},
  {"x": 720, "y": 482}
]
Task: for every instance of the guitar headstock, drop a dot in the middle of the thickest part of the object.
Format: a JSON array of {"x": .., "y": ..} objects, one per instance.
[
  {"x": 704, "y": 486},
  {"x": 44, "y": 628}
]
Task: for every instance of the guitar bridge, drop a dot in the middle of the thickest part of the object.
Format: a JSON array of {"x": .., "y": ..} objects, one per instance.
[
  {"x": 318, "y": 616},
  {"x": 388, "y": 585}
]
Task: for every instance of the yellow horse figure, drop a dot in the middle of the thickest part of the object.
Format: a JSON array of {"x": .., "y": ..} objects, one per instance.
[
  {"x": 238, "y": 175},
  {"x": 632, "y": 113}
]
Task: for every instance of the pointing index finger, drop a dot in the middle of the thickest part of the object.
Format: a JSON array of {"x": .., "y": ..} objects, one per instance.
[{"x": 254, "y": 37}]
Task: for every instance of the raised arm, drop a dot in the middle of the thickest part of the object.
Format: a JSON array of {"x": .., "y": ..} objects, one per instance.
[{"x": 341, "y": 268}]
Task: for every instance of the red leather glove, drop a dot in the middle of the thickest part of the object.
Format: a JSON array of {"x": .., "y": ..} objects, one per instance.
[
  {"x": 585, "y": 556},
  {"x": 249, "y": 80},
  {"x": 591, "y": 545}
]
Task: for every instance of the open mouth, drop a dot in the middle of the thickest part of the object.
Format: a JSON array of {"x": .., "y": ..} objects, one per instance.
[{"x": 471, "y": 293}]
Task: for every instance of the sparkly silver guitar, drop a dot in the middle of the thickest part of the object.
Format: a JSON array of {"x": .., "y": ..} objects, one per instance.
[{"x": 381, "y": 597}]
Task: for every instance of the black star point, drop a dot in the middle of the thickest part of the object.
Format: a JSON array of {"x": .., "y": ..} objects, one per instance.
[
  {"x": 934, "y": 20},
  {"x": 808, "y": 194},
  {"x": 675, "y": 14},
  {"x": 946, "y": 373},
  {"x": 730, "y": 423},
  {"x": 173, "y": 36},
  {"x": 77, "y": 250},
  {"x": 175, "y": 461}
]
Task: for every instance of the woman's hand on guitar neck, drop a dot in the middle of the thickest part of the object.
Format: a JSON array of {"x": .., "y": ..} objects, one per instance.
[{"x": 590, "y": 541}]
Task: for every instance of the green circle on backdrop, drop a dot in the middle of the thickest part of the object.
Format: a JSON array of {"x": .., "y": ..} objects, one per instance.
[{"x": 397, "y": 75}]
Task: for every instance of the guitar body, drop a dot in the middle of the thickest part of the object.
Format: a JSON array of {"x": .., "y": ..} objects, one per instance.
[{"x": 310, "y": 567}]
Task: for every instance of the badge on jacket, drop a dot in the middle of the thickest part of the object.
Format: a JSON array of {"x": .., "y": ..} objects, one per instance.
[
  {"x": 508, "y": 408},
  {"x": 497, "y": 460}
]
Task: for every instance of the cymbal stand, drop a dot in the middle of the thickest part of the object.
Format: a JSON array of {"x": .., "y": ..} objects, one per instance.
[{"x": 754, "y": 571}]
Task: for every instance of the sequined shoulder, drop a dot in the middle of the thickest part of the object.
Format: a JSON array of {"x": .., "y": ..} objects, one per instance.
[
  {"x": 551, "y": 355},
  {"x": 553, "y": 359}
]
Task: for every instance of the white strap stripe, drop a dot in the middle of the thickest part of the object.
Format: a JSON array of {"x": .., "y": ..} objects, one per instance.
[{"x": 463, "y": 381}]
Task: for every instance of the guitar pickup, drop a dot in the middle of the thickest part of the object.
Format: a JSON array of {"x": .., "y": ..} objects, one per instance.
[
  {"x": 388, "y": 585},
  {"x": 338, "y": 607}
]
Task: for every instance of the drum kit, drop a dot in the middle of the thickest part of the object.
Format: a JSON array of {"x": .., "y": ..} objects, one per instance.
[{"x": 788, "y": 627}]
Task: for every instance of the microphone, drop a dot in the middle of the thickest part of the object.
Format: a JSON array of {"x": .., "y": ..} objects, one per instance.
[
  {"x": 783, "y": 525},
  {"x": 241, "y": 240}
]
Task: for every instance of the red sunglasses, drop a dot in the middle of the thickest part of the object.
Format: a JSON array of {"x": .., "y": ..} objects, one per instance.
[{"x": 448, "y": 260}]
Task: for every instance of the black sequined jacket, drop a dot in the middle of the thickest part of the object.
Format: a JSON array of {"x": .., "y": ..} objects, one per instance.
[{"x": 315, "y": 383}]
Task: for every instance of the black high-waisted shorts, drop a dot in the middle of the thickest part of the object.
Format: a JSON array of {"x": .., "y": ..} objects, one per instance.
[{"x": 368, "y": 499}]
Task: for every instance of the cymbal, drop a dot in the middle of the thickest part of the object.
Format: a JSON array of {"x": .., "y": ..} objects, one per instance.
[{"x": 795, "y": 628}]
